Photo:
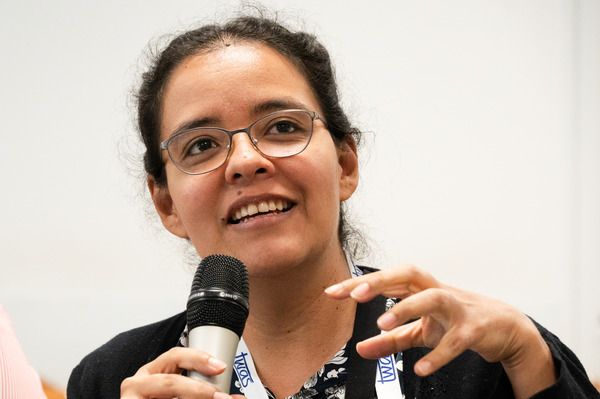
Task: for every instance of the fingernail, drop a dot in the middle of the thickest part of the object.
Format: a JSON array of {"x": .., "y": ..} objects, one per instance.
[
  {"x": 360, "y": 291},
  {"x": 221, "y": 395},
  {"x": 423, "y": 368},
  {"x": 334, "y": 289},
  {"x": 216, "y": 364},
  {"x": 387, "y": 321}
]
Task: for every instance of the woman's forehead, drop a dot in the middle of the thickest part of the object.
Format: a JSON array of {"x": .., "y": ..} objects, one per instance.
[
  {"x": 242, "y": 59},
  {"x": 233, "y": 78}
]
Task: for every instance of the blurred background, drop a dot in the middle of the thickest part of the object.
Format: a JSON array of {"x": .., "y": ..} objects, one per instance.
[{"x": 481, "y": 163}]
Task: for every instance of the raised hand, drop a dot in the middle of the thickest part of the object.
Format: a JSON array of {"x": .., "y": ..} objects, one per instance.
[{"x": 450, "y": 320}]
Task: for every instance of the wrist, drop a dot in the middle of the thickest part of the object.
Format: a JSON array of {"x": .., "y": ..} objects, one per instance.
[{"x": 531, "y": 368}]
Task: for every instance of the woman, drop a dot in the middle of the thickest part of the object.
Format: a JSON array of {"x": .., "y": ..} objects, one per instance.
[{"x": 249, "y": 154}]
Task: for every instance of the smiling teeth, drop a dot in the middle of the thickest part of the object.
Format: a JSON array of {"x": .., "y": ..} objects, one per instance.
[{"x": 260, "y": 207}]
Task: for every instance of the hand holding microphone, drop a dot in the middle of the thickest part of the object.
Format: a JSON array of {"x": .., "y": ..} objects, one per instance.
[{"x": 216, "y": 316}]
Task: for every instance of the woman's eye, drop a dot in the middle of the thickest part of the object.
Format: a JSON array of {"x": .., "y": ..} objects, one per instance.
[
  {"x": 283, "y": 127},
  {"x": 200, "y": 146}
]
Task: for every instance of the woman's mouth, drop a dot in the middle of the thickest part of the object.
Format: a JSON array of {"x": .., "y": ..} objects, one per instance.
[{"x": 260, "y": 208}]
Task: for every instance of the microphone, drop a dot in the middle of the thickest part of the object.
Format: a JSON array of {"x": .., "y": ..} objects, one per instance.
[{"x": 217, "y": 310}]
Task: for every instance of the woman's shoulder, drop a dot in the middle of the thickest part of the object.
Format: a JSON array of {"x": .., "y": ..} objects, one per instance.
[
  {"x": 149, "y": 340},
  {"x": 101, "y": 372}
]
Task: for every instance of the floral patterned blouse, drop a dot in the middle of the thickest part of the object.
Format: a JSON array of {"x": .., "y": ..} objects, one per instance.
[{"x": 328, "y": 383}]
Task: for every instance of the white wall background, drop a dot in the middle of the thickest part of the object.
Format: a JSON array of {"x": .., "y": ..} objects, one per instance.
[{"x": 482, "y": 164}]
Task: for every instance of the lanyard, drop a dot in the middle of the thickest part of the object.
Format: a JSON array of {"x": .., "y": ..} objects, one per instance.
[
  {"x": 247, "y": 375},
  {"x": 362, "y": 373}
]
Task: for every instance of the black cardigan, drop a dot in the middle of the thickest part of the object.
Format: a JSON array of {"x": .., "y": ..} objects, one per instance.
[{"x": 99, "y": 375}]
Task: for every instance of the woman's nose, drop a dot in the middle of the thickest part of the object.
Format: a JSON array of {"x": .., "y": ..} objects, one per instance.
[{"x": 245, "y": 161}]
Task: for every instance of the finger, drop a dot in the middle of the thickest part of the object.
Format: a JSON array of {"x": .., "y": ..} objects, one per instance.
[
  {"x": 452, "y": 344},
  {"x": 437, "y": 303},
  {"x": 410, "y": 336},
  {"x": 397, "y": 282},
  {"x": 165, "y": 386},
  {"x": 401, "y": 338},
  {"x": 176, "y": 360}
]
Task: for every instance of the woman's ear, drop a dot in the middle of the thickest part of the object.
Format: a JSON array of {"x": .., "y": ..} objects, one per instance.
[
  {"x": 348, "y": 160},
  {"x": 163, "y": 202}
]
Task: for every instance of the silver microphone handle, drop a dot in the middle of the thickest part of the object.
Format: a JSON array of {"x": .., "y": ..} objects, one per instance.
[{"x": 220, "y": 343}]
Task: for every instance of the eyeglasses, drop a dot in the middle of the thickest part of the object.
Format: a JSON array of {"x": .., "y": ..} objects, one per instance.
[{"x": 204, "y": 149}]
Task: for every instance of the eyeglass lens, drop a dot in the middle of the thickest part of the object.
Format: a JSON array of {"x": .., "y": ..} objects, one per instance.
[{"x": 280, "y": 134}]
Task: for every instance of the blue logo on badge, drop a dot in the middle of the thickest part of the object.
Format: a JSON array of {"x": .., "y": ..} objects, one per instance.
[
  {"x": 386, "y": 369},
  {"x": 241, "y": 368},
  {"x": 355, "y": 271}
]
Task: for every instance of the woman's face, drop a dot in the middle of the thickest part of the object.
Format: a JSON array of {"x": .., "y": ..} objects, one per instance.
[{"x": 231, "y": 87}]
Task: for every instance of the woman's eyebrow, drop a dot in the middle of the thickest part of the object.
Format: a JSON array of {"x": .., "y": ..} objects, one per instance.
[
  {"x": 195, "y": 123},
  {"x": 258, "y": 110},
  {"x": 277, "y": 105}
]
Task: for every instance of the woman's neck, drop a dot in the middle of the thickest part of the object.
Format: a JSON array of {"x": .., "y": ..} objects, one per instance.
[
  {"x": 285, "y": 301},
  {"x": 292, "y": 318}
]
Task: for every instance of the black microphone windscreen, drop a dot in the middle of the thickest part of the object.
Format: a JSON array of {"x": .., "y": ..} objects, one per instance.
[{"x": 219, "y": 294}]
